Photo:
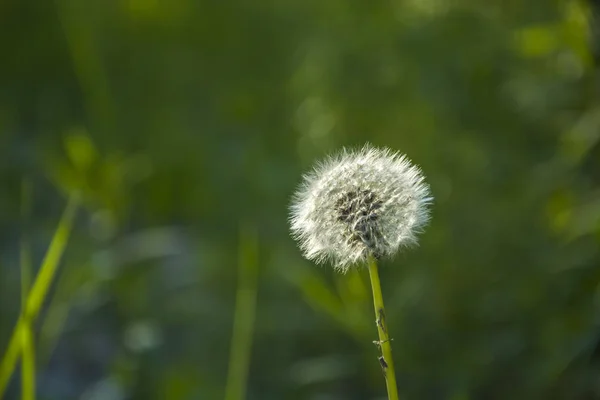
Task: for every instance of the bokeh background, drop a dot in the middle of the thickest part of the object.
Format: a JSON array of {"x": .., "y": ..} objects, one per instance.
[{"x": 185, "y": 125}]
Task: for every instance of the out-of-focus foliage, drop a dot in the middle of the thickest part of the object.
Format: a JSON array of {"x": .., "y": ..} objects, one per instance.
[{"x": 178, "y": 121}]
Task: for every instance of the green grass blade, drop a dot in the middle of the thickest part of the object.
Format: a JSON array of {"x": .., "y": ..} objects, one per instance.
[
  {"x": 28, "y": 367},
  {"x": 51, "y": 260},
  {"x": 27, "y": 363},
  {"x": 245, "y": 310},
  {"x": 25, "y": 251},
  {"x": 68, "y": 281},
  {"x": 10, "y": 357},
  {"x": 36, "y": 297},
  {"x": 87, "y": 64}
]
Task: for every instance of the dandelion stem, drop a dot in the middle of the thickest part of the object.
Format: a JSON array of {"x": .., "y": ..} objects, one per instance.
[{"x": 386, "y": 361}]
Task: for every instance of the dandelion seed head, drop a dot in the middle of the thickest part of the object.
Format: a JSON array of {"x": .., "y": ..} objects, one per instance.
[{"x": 358, "y": 204}]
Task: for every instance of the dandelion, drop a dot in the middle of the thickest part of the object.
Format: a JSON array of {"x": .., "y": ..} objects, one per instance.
[
  {"x": 355, "y": 208},
  {"x": 359, "y": 204}
]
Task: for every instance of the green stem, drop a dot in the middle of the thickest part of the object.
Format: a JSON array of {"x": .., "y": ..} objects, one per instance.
[
  {"x": 386, "y": 361},
  {"x": 27, "y": 363},
  {"x": 244, "y": 315},
  {"x": 37, "y": 295},
  {"x": 27, "y": 340}
]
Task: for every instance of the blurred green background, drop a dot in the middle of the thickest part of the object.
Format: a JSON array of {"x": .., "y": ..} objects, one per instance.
[{"x": 185, "y": 126}]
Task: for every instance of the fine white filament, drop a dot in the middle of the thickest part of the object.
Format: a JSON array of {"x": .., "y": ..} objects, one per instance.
[{"x": 358, "y": 204}]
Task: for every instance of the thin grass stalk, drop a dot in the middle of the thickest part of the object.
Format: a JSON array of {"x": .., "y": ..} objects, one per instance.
[
  {"x": 244, "y": 315},
  {"x": 28, "y": 368},
  {"x": 39, "y": 290},
  {"x": 28, "y": 385}
]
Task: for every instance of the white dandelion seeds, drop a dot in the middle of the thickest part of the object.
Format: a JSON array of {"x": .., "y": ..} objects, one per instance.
[{"x": 359, "y": 204}]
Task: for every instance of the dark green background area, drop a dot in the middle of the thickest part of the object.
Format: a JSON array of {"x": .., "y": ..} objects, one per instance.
[{"x": 185, "y": 122}]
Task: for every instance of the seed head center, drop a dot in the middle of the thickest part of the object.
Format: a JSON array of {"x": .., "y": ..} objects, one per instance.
[{"x": 360, "y": 210}]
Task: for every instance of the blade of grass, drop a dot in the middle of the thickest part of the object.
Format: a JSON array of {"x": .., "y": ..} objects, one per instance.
[
  {"x": 52, "y": 326},
  {"x": 28, "y": 360},
  {"x": 87, "y": 63},
  {"x": 25, "y": 251},
  {"x": 244, "y": 315},
  {"x": 38, "y": 292},
  {"x": 10, "y": 357},
  {"x": 353, "y": 293},
  {"x": 51, "y": 260},
  {"x": 27, "y": 363},
  {"x": 321, "y": 297}
]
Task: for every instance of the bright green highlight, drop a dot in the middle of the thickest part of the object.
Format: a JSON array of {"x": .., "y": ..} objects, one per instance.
[{"x": 35, "y": 298}]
